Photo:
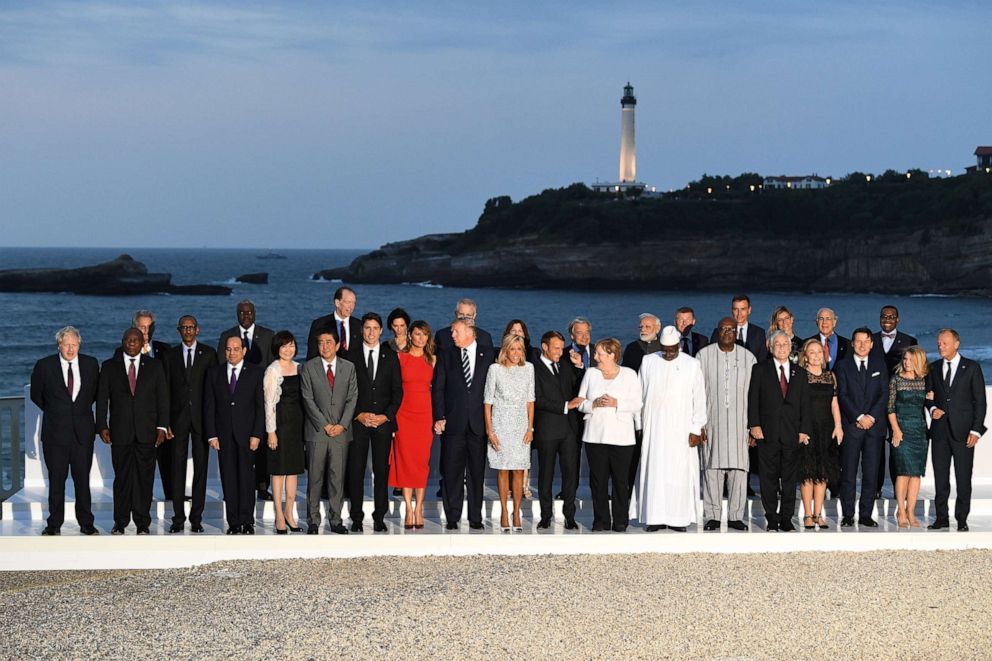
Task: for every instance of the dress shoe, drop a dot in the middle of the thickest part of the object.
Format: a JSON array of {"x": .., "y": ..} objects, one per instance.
[
  {"x": 712, "y": 524},
  {"x": 451, "y": 525},
  {"x": 397, "y": 492},
  {"x": 50, "y": 531},
  {"x": 176, "y": 527},
  {"x": 295, "y": 528},
  {"x": 737, "y": 525},
  {"x": 677, "y": 528},
  {"x": 655, "y": 527},
  {"x": 144, "y": 531},
  {"x": 282, "y": 531},
  {"x": 544, "y": 524},
  {"x": 618, "y": 527},
  {"x": 88, "y": 530},
  {"x": 311, "y": 529},
  {"x": 939, "y": 525},
  {"x": 570, "y": 524},
  {"x": 339, "y": 529},
  {"x": 847, "y": 522},
  {"x": 196, "y": 527},
  {"x": 599, "y": 527},
  {"x": 356, "y": 526},
  {"x": 476, "y": 525},
  {"x": 248, "y": 529},
  {"x": 117, "y": 530},
  {"x": 962, "y": 526},
  {"x": 264, "y": 495},
  {"x": 379, "y": 526},
  {"x": 234, "y": 530},
  {"x": 867, "y": 522},
  {"x": 786, "y": 526},
  {"x": 772, "y": 526}
]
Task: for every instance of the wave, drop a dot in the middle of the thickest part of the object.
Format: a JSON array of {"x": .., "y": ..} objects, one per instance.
[
  {"x": 426, "y": 284},
  {"x": 931, "y": 296},
  {"x": 336, "y": 281}
]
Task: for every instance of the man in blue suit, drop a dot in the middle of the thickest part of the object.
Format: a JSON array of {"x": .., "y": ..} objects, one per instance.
[{"x": 863, "y": 393}]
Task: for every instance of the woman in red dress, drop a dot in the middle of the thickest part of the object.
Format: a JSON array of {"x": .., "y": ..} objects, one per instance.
[{"x": 409, "y": 463}]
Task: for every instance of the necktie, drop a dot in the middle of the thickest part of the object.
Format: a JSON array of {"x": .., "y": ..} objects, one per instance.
[
  {"x": 466, "y": 367},
  {"x": 330, "y": 377},
  {"x": 783, "y": 383},
  {"x": 947, "y": 376},
  {"x": 132, "y": 376},
  {"x": 554, "y": 369},
  {"x": 344, "y": 336},
  {"x": 70, "y": 381},
  {"x": 889, "y": 335},
  {"x": 585, "y": 357},
  {"x": 740, "y": 335},
  {"x": 371, "y": 368},
  {"x": 685, "y": 345},
  {"x": 247, "y": 341},
  {"x": 826, "y": 350},
  {"x": 234, "y": 381},
  {"x": 189, "y": 357},
  {"x": 862, "y": 367}
]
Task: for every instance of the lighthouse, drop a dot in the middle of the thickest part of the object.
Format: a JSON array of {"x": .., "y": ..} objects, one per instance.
[{"x": 628, "y": 150}]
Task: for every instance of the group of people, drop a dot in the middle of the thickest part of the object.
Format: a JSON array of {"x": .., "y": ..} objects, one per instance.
[{"x": 672, "y": 413}]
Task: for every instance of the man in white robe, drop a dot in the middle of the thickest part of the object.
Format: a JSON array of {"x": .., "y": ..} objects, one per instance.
[{"x": 667, "y": 490}]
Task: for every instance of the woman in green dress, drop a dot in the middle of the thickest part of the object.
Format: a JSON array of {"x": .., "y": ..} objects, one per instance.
[{"x": 907, "y": 391}]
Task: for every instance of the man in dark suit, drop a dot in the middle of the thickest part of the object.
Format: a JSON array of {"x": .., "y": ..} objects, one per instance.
[
  {"x": 749, "y": 336},
  {"x": 186, "y": 370},
  {"x": 691, "y": 341},
  {"x": 556, "y": 428},
  {"x": 457, "y": 394},
  {"x": 259, "y": 342},
  {"x": 380, "y": 392},
  {"x": 64, "y": 387},
  {"x": 780, "y": 418},
  {"x": 863, "y": 394},
  {"x": 958, "y": 412},
  {"x": 465, "y": 310},
  {"x": 234, "y": 422},
  {"x": 347, "y": 326},
  {"x": 890, "y": 344},
  {"x": 133, "y": 390},
  {"x": 835, "y": 347},
  {"x": 646, "y": 342}
]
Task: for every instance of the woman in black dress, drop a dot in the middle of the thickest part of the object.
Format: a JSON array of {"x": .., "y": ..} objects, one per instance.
[
  {"x": 284, "y": 425},
  {"x": 819, "y": 461}
]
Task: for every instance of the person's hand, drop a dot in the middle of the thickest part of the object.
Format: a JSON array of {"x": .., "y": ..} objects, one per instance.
[
  {"x": 575, "y": 357},
  {"x": 576, "y": 402},
  {"x": 528, "y": 437},
  {"x": 214, "y": 443},
  {"x": 364, "y": 419},
  {"x": 159, "y": 437},
  {"x": 105, "y": 436},
  {"x": 972, "y": 440},
  {"x": 329, "y": 429},
  {"x": 929, "y": 395},
  {"x": 606, "y": 401},
  {"x": 937, "y": 414},
  {"x": 253, "y": 442},
  {"x": 493, "y": 441},
  {"x": 869, "y": 421},
  {"x": 439, "y": 426},
  {"x": 169, "y": 434},
  {"x": 694, "y": 440},
  {"x": 336, "y": 430},
  {"x": 839, "y": 434},
  {"x": 379, "y": 420},
  {"x": 273, "y": 440},
  {"x": 804, "y": 439},
  {"x": 757, "y": 434},
  {"x": 703, "y": 436}
]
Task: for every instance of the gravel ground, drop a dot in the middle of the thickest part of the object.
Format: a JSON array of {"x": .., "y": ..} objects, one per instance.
[{"x": 905, "y": 604}]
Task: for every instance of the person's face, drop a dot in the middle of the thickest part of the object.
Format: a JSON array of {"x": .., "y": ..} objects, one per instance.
[
  {"x": 461, "y": 335},
  {"x": 670, "y": 352},
  {"x": 581, "y": 334},
  {"x": 371, "y": 331},
  {"x": 246, "y": 315},
  {"x": 132, "y": 342},
  {"x": 146, "y": 326},
  {"x": 398, "y": 327},
  {"x": 517, "y": 329},
  {"x": 907, "y": 362},
  {"x": 826, "y": 322},
  {"x": 234, "y": 351},
  {"x": 327, "y": 346},
  {"x": 814, "y": 355},
  {"x": 888, "y": 319},
  {"x": 784, "y": 322},
  {"x": 862, "y": 344},
  {"x": 419, "y": 338},
  {"x": 69, "y": 346},
  {"x": 515, "y": 352},
  {"x": 465, "y": 312},
  {"x": 287, "y": 351},
  {"x": 648, "y": 328},
  {"x": 684, "y": 320},
  {"x": 741, "y": 311},
  {"x": 345, "y": 305},
  {"x": 781, "y": 348},
  {"x": 728, "y": 336},
  {"x": 947, "y": 346},
  {"x": 553, "y": 349},
  {"x": 188, "y": 330},
  {"x": 604, "y": 358}
]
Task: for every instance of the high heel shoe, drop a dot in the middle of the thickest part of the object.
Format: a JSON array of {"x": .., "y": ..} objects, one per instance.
[
  {"x": 516, "y": 523},
  {"x": 504, "y": 523},
  {"x": 281, "y": 531},
  {"x": 821, "y": 523},
  {"x": 418, "y": 524},
  {"x": 808, "y": 522},
  {"x": 295, "y": 529}
]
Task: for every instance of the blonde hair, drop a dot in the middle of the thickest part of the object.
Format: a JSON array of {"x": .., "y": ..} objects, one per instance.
[
  {"x": 610, "y": 345},
  {"x": 508, "y": 341},
  {"x": 803, "y": 360},
  {"x": 919, "y": 361}
]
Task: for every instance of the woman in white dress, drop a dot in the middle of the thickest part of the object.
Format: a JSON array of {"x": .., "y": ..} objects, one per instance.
[{"x": 509, "y": 413}]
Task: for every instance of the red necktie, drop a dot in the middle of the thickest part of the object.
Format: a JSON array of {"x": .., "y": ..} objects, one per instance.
[
  {"x": 70, "y": 381},
  {"x": 132, "y": 376},
  {"x": 782, "y": 383},
  {"x": 330, "y": 377},
  {"x": 344, "y": 338},
  {"x": 826, "y": 351}
]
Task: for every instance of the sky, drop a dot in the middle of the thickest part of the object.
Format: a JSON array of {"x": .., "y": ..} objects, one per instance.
[{"x": 318, "y": 125}]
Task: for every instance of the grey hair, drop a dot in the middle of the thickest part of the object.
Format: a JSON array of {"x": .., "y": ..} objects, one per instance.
[
  {"x": 247, "y": 301},
  {"x": 648, "y": 315},
  {"x": 827, "y": 310},
  {"x": 775, "y": 334},
  {"x": 468, "y": 325},
  {"x": 142, "y": 313},
  {"x": 466, "y": 301},
  {"x": 578, "y": 320},
  {"x": 67, "y": 330}
]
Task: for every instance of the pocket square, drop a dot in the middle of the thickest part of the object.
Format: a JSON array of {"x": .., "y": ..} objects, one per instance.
[{"x": 875, "y": 374}]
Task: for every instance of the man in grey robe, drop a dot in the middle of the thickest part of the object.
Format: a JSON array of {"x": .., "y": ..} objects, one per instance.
[{"x": 723, "y": 455}]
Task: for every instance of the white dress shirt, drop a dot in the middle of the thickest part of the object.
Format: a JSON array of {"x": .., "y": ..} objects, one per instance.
[
  {"x": 887, "y": 342},
  {"x": 338, "y": 321},
  {"x": 955, "y": 361},
  {"x": 191, "y": 351},
  {"x": 251, "y": 334},
  {"x": 234, "y": 368},
  {"x": 779, "y": 372},
  {"x": 75, "y": 374},
  {"x": 127, "y": 364},
  {"x": 743, "y": 329},
  {"x": 333, "y": 364},
  {"x": 366, "y": 350},
  {"x": 471, "y": 349}
]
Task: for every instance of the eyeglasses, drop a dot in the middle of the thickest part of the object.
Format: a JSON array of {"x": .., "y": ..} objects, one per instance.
[
  {"x": 826, "y": 318},
  {"x": 889, "y": 316},
  {"x": 187, "y": 328}
]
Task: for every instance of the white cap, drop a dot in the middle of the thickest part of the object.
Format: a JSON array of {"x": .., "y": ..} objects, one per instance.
[{"x": 670, "y": 336}]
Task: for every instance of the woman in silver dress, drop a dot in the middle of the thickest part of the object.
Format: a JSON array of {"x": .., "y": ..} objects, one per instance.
[{"x": 509, "y": 413}]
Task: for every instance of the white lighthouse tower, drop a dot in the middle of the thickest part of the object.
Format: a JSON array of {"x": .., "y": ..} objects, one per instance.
[{"x": 628, "y": 150}]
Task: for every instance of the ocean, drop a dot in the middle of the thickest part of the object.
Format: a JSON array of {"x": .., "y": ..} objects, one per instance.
[{"x": 28, "y": 322}]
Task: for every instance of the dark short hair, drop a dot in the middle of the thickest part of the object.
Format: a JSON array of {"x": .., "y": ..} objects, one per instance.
[
  {"x": 398, "y": 313},
  {"x": 339, "y": 292},
  {"x": 281, "y": 339},
  {"x": 550, "y": 335},
  {"x": 889, "y": 307},
  {"x": 188, "y": 316},
  {"x": 523, "y": 325},
  {"x": 741, "y": 297},
  {"x": 372, "y": 316},
  {"x": 685, "y": 309},
  {"x": 861, "y": 329},
  {"x": 329, "y": 329},
  {"x": 128, "y": 331},
  {"x": 244, "y": 342}
]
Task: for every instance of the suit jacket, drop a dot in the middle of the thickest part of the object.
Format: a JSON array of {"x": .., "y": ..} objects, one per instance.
[
  {"x": 324, "y": 407},
  {"x": 963, "y": 405},
  {"x": 236, "y": 417},
  {"x": 634, "y": 353},
  {"x": 842, "y": 352},
  {"x": 756, "y": 341},
  {"x": 186, "y": 386},
  {"x": 781, "y": 419},
  {"x": 860, "y": 394},
  {"x": 160, "y": 349},
  {"x": 354, "y": 352},
  {"x": 132, "y": 417},
  {"x": 893, "y": 358},
  {"x": 65, "y": 421},
  {"x": 384, "y": 394},
  {"x": 551, "y": 394},
  {"x": 260, "y": 352},
  {"x": 443, "y": 340},
  {"x": 460, "y": 406}
]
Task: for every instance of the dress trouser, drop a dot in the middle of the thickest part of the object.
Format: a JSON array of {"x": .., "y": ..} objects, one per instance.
[
  {"x": 777, "y": 470},
  {"x": 381, "y": 441},
  {"x": 886, "y": 448},
  {"x": 184, "y": 439},
  {"x": 261, "y": 463},
  {"x": 566, "y": 450},
  {"x": 60, "y": 460},
  {"x": 713, "y": 480},
  {"x": 237, "y": 478},
  {"x": 608, "y": 463},
  {"x": 163, "y": 454},
  {"x": 862, "y": 447},
  {"x": 942, "y": 450},
  {"x": 134, "y": 475},
  {"x": 463, "y": 457},
  {"x": 327, "y": 462}
]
